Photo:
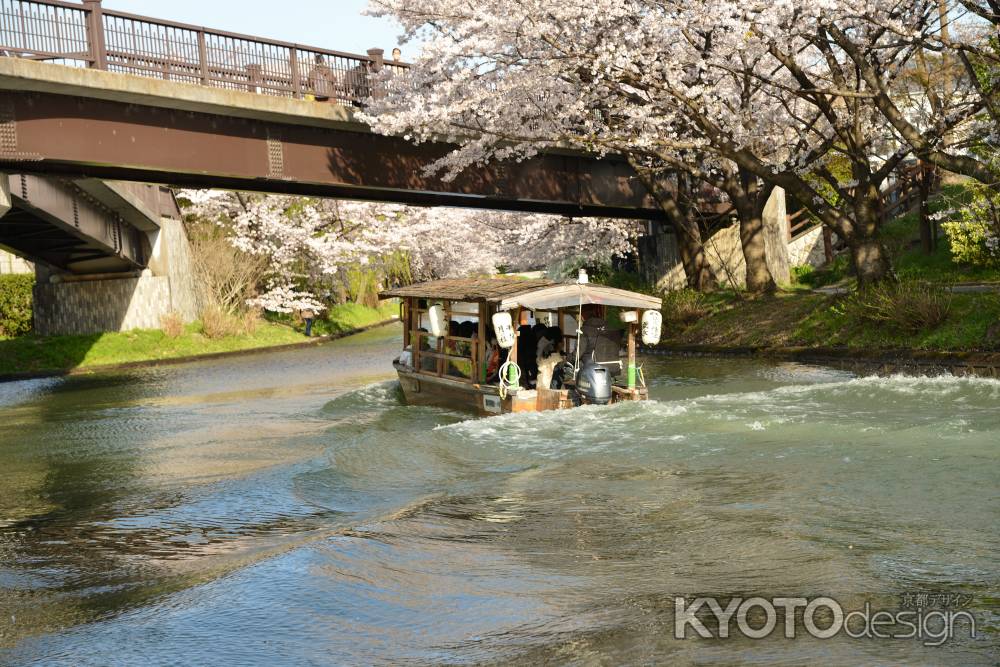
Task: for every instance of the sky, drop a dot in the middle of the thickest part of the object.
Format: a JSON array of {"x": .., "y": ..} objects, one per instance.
[{"x": 331, "y": 24}]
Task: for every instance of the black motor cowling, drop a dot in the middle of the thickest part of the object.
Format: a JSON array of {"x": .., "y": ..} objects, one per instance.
[{"x": 593, "y": 384}]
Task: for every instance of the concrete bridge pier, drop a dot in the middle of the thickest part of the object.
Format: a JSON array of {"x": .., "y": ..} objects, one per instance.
[{"x": 77, "y": 304}]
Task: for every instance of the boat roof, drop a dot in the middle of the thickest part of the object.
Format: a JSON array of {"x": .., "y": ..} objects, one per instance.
[
  {"x": 569, "y": 295},
  {"x": 468, "y": 289},
  {"x": 535, "y": 294}
]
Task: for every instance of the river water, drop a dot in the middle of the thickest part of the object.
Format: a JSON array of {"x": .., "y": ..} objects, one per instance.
[{"x": 287, "y": 508}]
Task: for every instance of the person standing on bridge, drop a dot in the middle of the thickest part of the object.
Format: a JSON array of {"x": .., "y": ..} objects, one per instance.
[
  {"x": 359, "y": 83},
  {"x": 321, "y": 80}
]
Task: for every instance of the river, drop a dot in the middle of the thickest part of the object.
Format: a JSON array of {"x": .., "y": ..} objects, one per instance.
[{"x": 287, "y": 508}]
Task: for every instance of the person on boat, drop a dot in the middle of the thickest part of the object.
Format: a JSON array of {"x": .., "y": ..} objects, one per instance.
[
  {"x": 468, "y": 330},
  {"x": 593, "y": 326},
  {"x": 493, "y": 357},
  {"x": 427, "y": 363},
  {"x": 549, "y": 357},
  {"x": 599, "y": 343},
  {"x": 527, "y": 349},
  {"x": 539, "y": 330}
]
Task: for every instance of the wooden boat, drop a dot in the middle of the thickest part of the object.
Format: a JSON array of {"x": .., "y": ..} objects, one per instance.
[{"x": 450, "y": 370}]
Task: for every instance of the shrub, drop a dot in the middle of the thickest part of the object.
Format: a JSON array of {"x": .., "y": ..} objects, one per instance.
[
  {"x": 908, "y": 306},
  {"x": 804, "y": 274},
  {"x": 228, "y": 276},
  {"x": 974, "y": 236},
  {"x": 15, "y": 305},
  {"x": 972, "y": 243},
  {"x": 249, "y": 321},
  {"x": 683, "y": 307},
  {"x": 172, "y": 324},
  {"x": 217, "y": 323}
]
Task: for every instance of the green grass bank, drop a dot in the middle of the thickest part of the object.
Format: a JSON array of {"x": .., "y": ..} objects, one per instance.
[
  {"x": 808, "y": 319},
  {"x": 30, "y": 354},
  {"x": 925, "y": 311}
]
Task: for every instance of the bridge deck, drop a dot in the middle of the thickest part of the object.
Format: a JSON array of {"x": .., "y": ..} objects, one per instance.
[{"x": 87, "y": 122}]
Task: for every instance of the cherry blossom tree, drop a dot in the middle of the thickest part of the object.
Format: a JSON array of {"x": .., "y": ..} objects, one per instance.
[
  {"x": 768, "y": 91},
  {"x": 311, "y": 244},
  {"x": 846, "y": 66},
  {"x": 953, "y": 119},
  {"x": 506, "y": 80}
]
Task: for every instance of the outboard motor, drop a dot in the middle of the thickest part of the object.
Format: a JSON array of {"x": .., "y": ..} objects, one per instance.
[{"x": 593, "y": 384}]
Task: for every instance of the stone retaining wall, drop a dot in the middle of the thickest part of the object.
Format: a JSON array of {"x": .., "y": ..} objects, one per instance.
[
  {"x": 122, "y": 304},
  {"x": 101, "y": 305},
  {"x": 808, "y": 249},
  {"x": 662, "y": 262}
]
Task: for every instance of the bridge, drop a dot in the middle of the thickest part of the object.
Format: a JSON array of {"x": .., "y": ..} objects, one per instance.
[{"x": 144, "y": 99}]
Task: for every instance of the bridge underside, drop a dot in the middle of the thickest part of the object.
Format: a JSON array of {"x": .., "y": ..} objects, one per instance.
[
  {"x": 82, "y": 226},
  {"x": 81, "y": 136},
  {"x": 38, "y": 240}
]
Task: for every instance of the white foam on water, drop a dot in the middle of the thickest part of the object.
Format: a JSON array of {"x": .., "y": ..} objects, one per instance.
[
  {"x": 935, "y": 385},
  {"x": 861, "y": 407}
]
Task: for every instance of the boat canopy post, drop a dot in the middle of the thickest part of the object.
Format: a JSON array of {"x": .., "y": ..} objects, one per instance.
[
  {"x": 480, "y": 372},
  {"x": 631, "y": 352},
  {"x": 512, "y": 375},
  {"x": 414, "y": 326},
  {"x": 404, "y": 305}
]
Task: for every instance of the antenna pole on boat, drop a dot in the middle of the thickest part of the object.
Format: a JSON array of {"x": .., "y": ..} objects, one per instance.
[{"x": 579, "y": 336}]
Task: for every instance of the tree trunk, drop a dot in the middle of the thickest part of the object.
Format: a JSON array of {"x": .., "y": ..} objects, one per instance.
[
  {"x": 696, "y": 267},
  {"x": 870, "y": 259},
  {"x": 749, "y": 198},
  {"x": 759, "y": 278},
  {"x": 682, "y": 211},
  {"x": 869, "y": 256},
  {"x": 697, "y": 270}
]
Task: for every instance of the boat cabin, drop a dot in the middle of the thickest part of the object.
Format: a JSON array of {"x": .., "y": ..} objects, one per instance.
[{"x": 499, "y": 345}]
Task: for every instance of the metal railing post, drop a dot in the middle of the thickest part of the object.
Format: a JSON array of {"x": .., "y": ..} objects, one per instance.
[
  {"x": 293, "y": 63},
  {"x": 95, "y": 34},
  {"x": 203, "y": 57},
  {"x": 377, "y": 57},
  {"x": 255, "y": 74}
]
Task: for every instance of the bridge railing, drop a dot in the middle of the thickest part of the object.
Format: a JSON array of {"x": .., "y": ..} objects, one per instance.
[
  {"x": 87, "y": 35},
  {"x": 900, "y": 197}
]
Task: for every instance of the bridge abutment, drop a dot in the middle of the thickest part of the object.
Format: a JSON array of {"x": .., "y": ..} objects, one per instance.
[
  {"x": 662, "y": 260},
  {"x": 88, "y": 304}
]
